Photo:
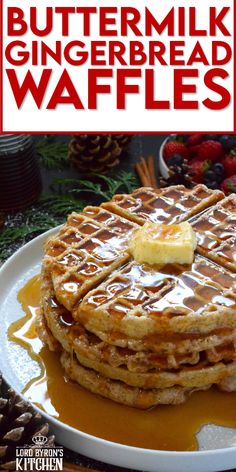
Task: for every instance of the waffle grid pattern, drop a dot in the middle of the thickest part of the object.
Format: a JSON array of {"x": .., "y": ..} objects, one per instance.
[
  {"x": 86, "y": 249},
  {"x": 216, "y": 233},
  {"x": 139, "y": 288},
  {"x": 165, "y": 206},
  {"x": 143, "y": 332}
]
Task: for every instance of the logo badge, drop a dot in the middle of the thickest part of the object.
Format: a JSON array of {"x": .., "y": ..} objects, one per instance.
[
  {"x": 39, "y": 440},
  {"x": 39, "y": 455}
]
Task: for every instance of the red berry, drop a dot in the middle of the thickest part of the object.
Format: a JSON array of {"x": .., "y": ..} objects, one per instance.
[
  {"x": 229, "y": 163},
  {"x": 193, "y": 150},
  {"x": 194, "y": 140},
  {"x": 198, "y": 169},
  {"x": 210, "y": 150},
  {"x": 229, "y": 185},
  {"x": 175, "y": 147}
]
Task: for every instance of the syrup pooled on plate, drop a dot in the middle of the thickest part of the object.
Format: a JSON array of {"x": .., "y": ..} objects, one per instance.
[{"x": 165, "y": 427}]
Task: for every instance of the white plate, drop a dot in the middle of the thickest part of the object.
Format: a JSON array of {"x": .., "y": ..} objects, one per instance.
[{"x": 17, "y": 368}]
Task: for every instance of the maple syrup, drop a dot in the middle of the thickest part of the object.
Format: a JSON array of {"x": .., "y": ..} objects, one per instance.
[
  {"x": 165, "y": 427},
  {"x": 20, "y": 181}
]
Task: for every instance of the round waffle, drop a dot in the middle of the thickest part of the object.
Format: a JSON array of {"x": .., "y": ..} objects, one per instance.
[
  {"x": 124, "y": 394},
  {"x": 131, "y": 367},
  {"x": 62, "y": 323},
  {"x": 142, "y": 335},
  {"x": 140, "y": 301},
  {"x": 73, "y": 337},
  {"x": 95, "y": 242},
  {"x": 120, "y": 392},
  {"x": 197, "y": 376}
]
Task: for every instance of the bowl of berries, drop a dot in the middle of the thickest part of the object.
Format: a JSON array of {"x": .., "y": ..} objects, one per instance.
[{"x": 205, "y": 158}]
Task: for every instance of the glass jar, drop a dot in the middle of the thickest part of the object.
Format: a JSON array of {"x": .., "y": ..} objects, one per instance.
[{"x": 20, "y": 180}]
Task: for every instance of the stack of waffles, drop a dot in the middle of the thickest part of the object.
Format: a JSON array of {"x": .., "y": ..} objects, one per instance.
[{"x": 138, "y": 334}]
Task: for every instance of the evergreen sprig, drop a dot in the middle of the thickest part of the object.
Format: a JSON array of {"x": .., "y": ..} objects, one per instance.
[
  {"x": 68, "y": 195},
  {"x": 53, "y": 155},
  {"x": 61, "y": 205},
  {"x": 23, "y": 227},
  {"x": 102, "y": 186}
]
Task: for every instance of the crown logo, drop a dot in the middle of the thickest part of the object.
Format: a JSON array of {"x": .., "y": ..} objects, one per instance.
[{"x": 39, "y": 440}]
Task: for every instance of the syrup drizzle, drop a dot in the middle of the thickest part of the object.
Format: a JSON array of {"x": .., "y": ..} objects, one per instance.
[{"x": 166, "y": 427}]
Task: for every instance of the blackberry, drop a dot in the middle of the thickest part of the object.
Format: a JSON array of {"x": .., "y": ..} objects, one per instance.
[
  {"x": 218, "y": 169},
  {"x": 209, "y": 176},
  {"x": 227, "y": 141},
  {"x": 211, "y": 137}
]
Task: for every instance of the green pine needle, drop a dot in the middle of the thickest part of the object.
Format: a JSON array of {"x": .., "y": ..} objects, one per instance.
[
  {"x": 35, "y": 221},
  {"x": 104, "y": 190},
  {"x": 61, "y": 205},
  {"x": 53, "y": 155},
  {"x": 10, "y": 236},
  {"x": 52, "y": 210}
]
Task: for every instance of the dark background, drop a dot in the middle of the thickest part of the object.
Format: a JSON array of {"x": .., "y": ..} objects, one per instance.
[{"x": 141, "y": 145}]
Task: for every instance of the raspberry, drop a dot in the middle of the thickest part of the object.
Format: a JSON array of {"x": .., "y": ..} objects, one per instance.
[
  {"x": 229, "y": 163},
  {"x": 198, "y": 169},
  {"x": 210, "y": 150},
  {"x": 194, "y": 140},
  {"x": 229, "y": 185},
  {"x": 193, "y": 150}
]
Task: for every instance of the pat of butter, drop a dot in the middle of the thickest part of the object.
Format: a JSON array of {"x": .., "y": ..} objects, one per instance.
[{"x": 164, "y": 244}]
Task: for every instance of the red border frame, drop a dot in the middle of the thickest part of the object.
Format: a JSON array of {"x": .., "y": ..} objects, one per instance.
[
  {"x": 111, "y": 132},
  {"x": 234, "y": 65}
]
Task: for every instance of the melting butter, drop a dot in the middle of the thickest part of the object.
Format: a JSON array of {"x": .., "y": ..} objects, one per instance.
[{"x": 163, "y": 244}]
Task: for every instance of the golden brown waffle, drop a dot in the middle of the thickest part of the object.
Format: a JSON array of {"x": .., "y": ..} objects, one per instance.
[
  {"x": 142, "y": 335},
  {"x": 82, "y": 225},
  {"x": 168, "y": 205},
  {"x": 73, "y": 337},
  {"x": 200, "y": 376},
  {"x": 120, "y": 392},
  {"x": 88, "y": 248},
  {"x": 94, "y": 243},
  {"x": 226, "y": 352},
  {"x": 138, "y": 301},
  {"x": 161, "y": 344},
  {"x": 197, "y": 376},
  {"x": 44, "y": 333},
  {"x": 127, "y": 395},
  {"x": 216, "y": 233},
  {"x": 171, "y": 343}
]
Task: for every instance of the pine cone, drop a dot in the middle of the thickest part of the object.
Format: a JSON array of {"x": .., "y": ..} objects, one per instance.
[
  {"x": 178, "y": 175},
  {"x": 19, "y": 422},
  {"x": 97, "y": 152}
]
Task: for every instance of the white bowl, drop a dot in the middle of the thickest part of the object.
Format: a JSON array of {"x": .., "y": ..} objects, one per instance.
[{"x": 164, "y": 169}]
